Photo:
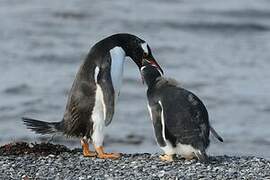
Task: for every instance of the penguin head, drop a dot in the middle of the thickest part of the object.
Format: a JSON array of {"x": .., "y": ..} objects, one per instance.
[
  {"x": 138, "y": 50},
  {"x": 150, "y": 72}
]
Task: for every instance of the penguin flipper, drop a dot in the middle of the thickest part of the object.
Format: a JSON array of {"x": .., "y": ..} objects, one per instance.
[
  {"x": 156, "y": 115},
  {"x": 105, "y": 82},
  {"x": 213, "y": 131}
]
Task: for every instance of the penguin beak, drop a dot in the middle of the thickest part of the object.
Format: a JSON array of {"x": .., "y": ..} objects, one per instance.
[{"x": 153, "y": 62}]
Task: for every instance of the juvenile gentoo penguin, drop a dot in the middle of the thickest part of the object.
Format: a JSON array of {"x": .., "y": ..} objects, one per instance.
[
  {"x": 179, "y": 117},
  {"x": 92, "y": 98}
]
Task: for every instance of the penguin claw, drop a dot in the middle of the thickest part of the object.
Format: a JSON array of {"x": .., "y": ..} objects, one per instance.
[{"x": 166, "y": 157}]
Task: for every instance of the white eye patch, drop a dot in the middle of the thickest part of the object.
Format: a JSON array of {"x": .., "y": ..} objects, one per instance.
[{"x": 144, "y": 47}]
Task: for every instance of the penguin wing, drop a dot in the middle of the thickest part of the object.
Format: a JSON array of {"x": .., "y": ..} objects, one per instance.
[
  {"x": 155, "y": 111},
  {"x": 187, "y": 122},
  {"x": 105, "y": 81}
]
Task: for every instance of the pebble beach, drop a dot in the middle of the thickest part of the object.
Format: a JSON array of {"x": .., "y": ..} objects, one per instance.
[
  {"x": 217, "y": 49},
  {"x": 62, "y": 163},
  {"x": 130, "y": 166}
]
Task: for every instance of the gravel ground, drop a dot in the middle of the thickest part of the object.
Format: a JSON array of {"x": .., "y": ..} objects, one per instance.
[{"x": 72, "y": 165}]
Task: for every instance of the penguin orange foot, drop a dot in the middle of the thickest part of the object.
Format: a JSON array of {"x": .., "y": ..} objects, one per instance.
[
  {"x": 102, "y": 155},
  {"x": 86, "y": 151},
  {"x": 166, "y": 157}
]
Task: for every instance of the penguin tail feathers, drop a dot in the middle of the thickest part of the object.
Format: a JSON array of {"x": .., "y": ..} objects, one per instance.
[
  {"x": 213, "y": 131},
  {"x": 42, "y": 127},
  {"x": 202, "y": 156}
]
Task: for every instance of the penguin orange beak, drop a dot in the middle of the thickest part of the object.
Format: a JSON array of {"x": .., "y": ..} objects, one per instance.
[{"x": 153, "y": 62}]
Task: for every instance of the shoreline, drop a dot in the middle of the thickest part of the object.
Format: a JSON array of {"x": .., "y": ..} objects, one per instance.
[{"x": 71, "y": 164}]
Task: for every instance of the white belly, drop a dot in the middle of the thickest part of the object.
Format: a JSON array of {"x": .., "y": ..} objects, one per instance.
[
  {"x": 117, "y": 68},
  {"x": 185, "y": 150},
  {"x": 98, "y": 116}
]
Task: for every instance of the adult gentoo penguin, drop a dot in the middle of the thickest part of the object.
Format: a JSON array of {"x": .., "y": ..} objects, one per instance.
[
  {"x": 179, "y": 117},
  {"x": 92, "y": 98}
]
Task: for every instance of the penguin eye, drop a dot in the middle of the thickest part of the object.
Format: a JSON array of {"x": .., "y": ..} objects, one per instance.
[{"x": 145, "y": 54}]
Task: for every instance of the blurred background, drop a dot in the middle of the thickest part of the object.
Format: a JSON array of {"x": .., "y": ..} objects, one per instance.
[{"x": 220, "y": 50}]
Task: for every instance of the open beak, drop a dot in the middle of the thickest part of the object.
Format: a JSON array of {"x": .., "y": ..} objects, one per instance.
[{"x": 153, "y": 62}]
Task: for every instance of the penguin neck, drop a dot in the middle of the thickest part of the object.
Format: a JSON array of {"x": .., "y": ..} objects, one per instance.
[
  {"x": 128, "y": 43},
  {"x": 117, "y": 67},
  {"x": 125, "y": 45},
  {"x": 151, "y": 83},
  {"x": 151, "y": 79}
]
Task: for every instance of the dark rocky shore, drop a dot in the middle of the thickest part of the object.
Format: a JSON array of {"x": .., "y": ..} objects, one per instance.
[{"x": 48, "y": 161}]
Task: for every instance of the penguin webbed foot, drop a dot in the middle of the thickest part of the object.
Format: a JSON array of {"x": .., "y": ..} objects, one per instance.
[
  {"x": 89, "y": 154},
  {"x": 166, "y": 157},
  {"x": 86, "y": 151},
  {"x": 109, "y": 156},
  {"x": 102, "y": 155}
]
